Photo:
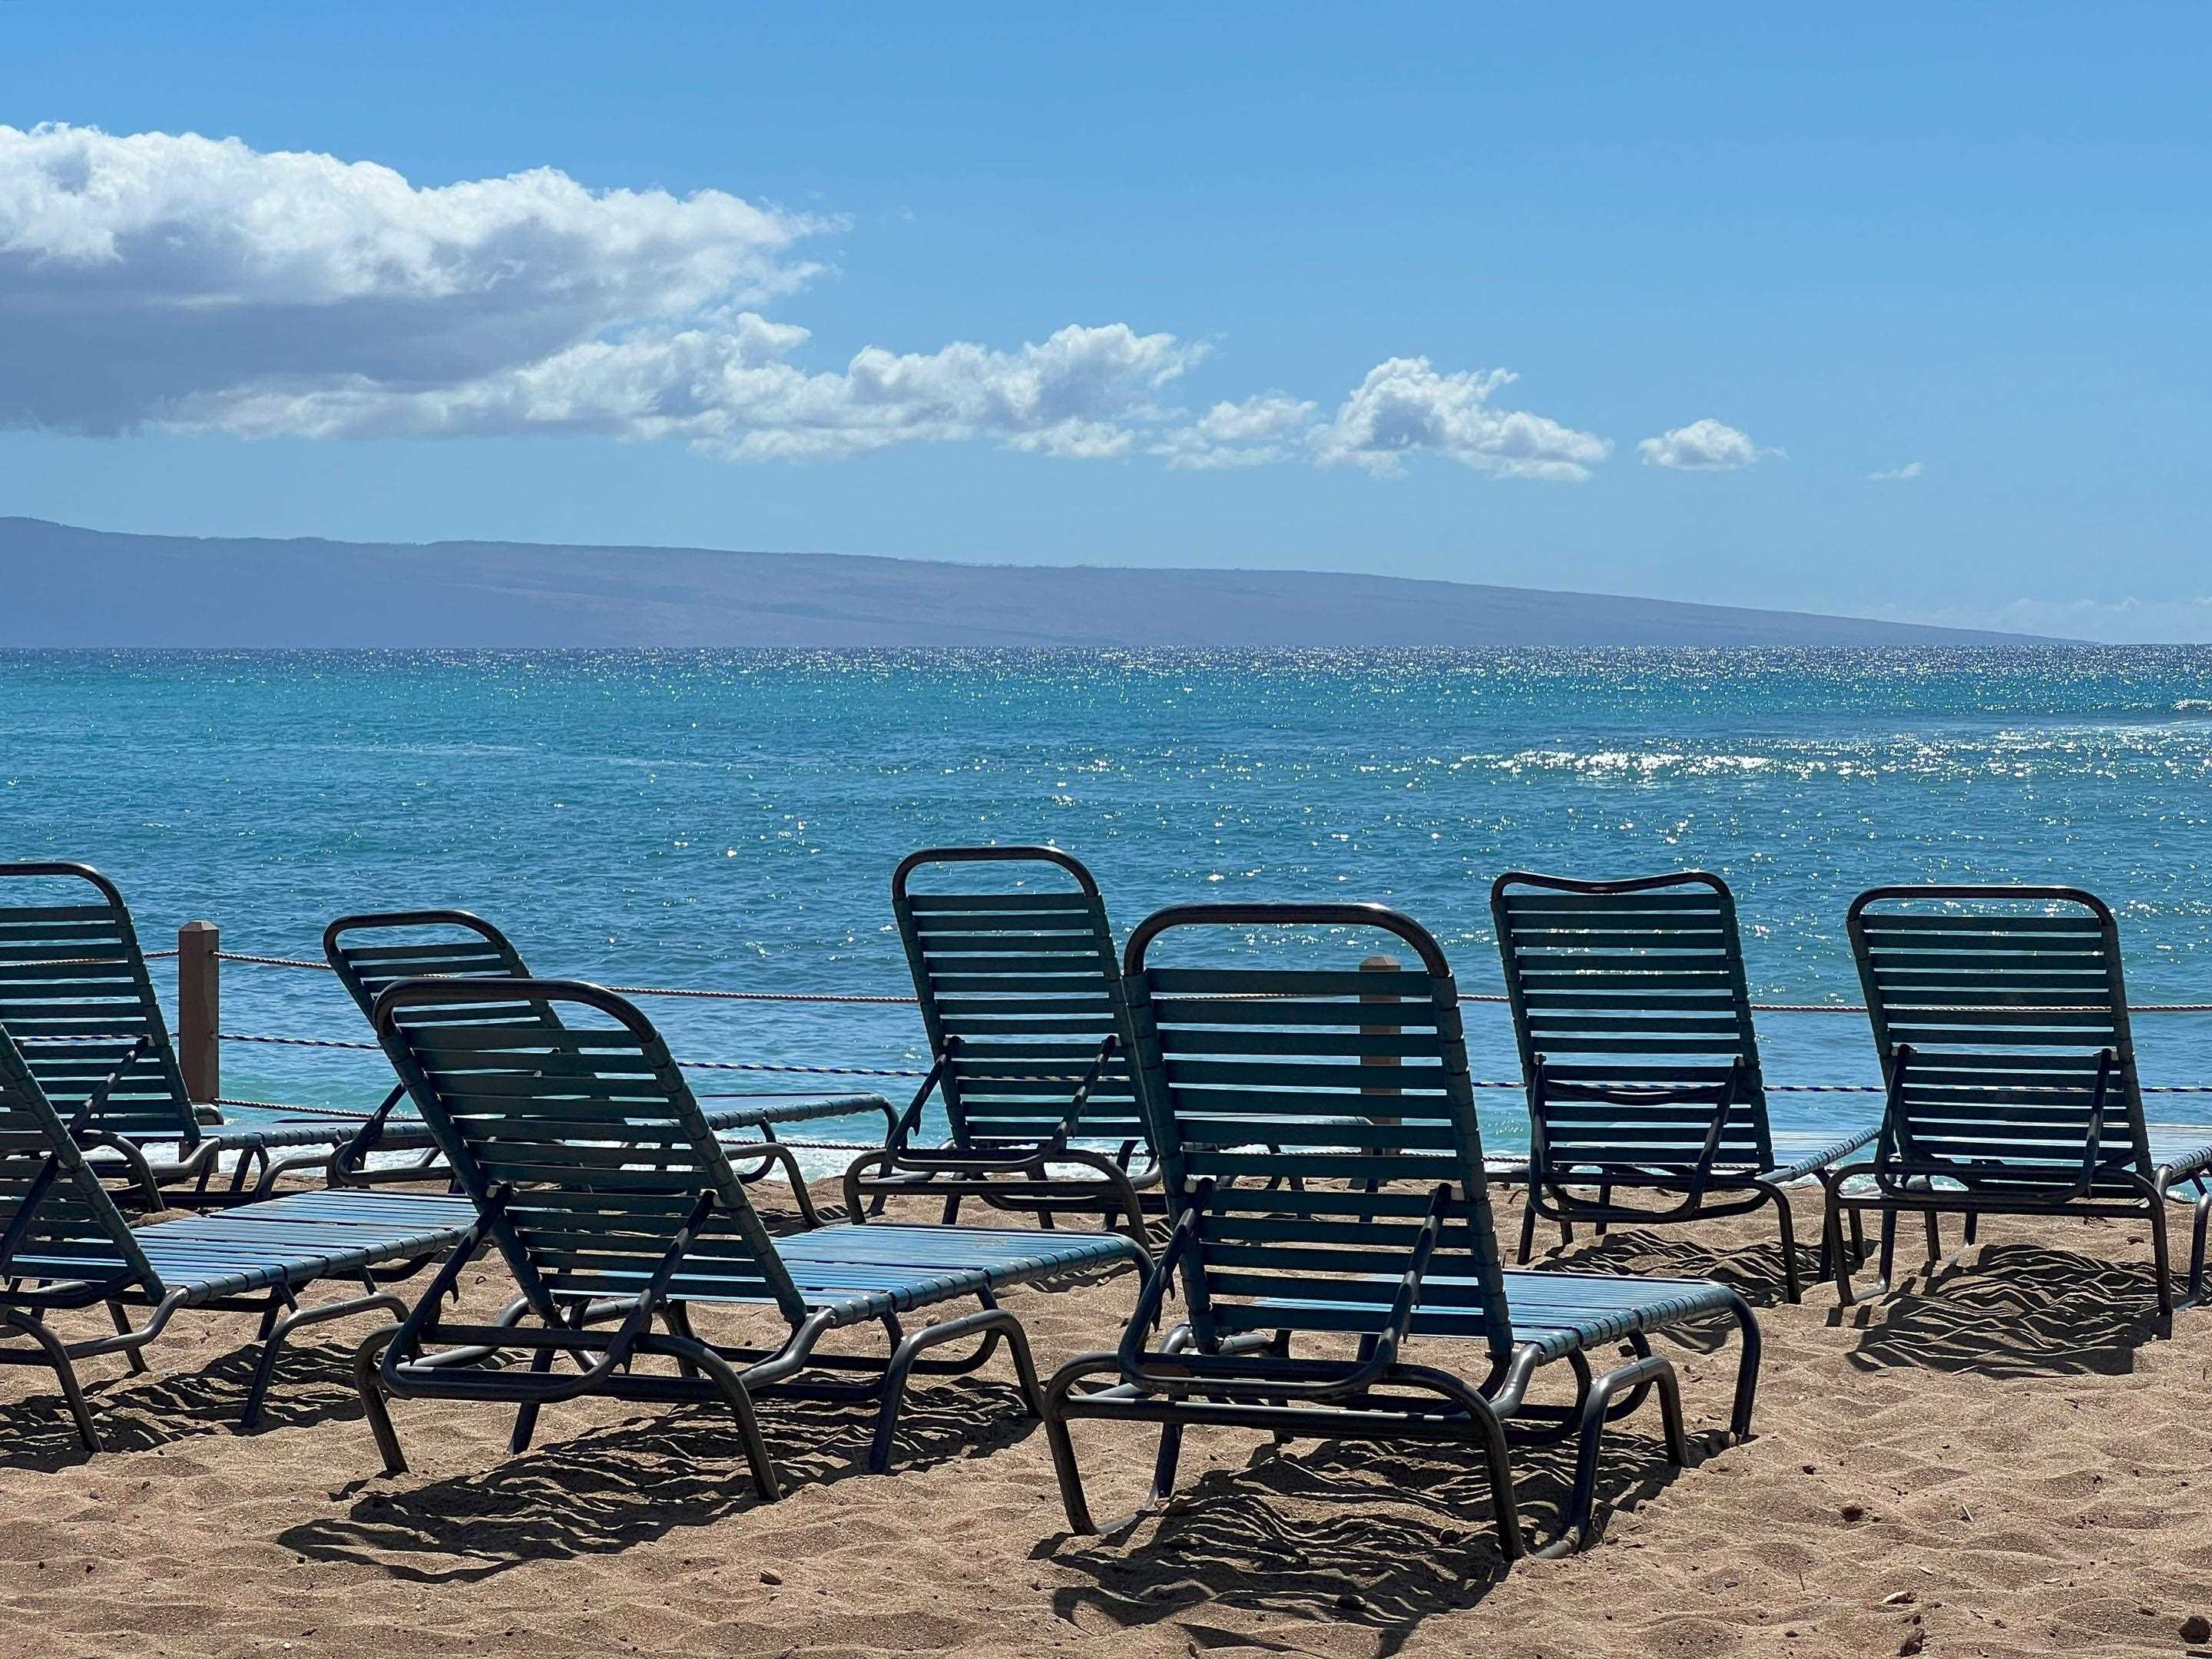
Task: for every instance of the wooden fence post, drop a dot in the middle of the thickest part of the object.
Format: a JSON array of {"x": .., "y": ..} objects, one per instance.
[
  {"x": 199, "y": 1010},
  {"x": 1380, "y": 964}
]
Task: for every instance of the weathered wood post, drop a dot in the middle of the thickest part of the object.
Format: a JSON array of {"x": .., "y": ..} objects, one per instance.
[
  {"x": 1380, "y": 964},
  {"x": 199, "y": 1010}
]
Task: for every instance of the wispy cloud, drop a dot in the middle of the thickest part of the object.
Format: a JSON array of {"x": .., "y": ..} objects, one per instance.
[
  {"x": 1706, "y": 446},
  {"x": 2186, "y": 620},
  {"x": 1271, "y": 427},
  {"x": 188, "y": 283},
  {"x": 1898, "y": 474}
]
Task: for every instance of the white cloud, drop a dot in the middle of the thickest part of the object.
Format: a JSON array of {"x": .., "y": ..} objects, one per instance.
[
  {"x": 1254, "y": 433},
  {"x": 1898, "y": 474},
  {"x": 1404, "y": 405},
  {"x": 199, "y": 284},
  {"x": 187, "y": 284},
  {"x": 157, "y": 277},
  {"x": 1706, "y": 446},
  {"x": 725, "y": 388}
]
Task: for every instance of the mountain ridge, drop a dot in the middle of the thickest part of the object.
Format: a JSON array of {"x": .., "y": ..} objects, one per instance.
[{"x": 68, "y": 585}]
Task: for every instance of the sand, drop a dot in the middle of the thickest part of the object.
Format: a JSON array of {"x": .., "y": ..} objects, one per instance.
[{"x": 1999, "y": 1461}]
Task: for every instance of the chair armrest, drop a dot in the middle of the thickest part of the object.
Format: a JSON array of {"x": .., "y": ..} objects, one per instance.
[
  {"x": 1719, "y": 1098},
  {"x": 347, "y": 1161},
  {"x": 1283, "y": 1379},
  {"x": 902, "y": 1126}
]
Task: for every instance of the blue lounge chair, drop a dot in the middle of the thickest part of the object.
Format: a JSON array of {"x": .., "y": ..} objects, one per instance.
[
  {"x": 598, "y": 1178},
  {"x": 2001, "y": 1017},
  {"x": 1255, "y": 1075},
  {"x": 1020, "y": 991},
  {"x": 75, "y": 996},
  {"x": 373, "y": 951},
  {"x": 64, "y": 1246},
  {"x": 1633, "y": 1021}
]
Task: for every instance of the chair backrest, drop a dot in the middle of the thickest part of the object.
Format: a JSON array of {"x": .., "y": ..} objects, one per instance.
[
  {"x": 2006, "y": 999},
  {"x": 1633, "y": 985},
  {"x": 71, "y": 969},
  {"x": 578, "y": 1138},
  {"x": 378, "y": 949},
  {"x": 1258, "y": 1076},
  {"x": 1019, "y": 985},
  {"x": 56, "y": 1221}
]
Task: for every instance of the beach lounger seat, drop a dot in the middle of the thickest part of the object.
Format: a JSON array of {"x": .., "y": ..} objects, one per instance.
[
  {"x": 75, "y": 996},
  {"x": 2000, "y": 1015},
  {"x": 1633, "y": 1021},
  {"x": 595, "y": 1174},
  {"x": 371, "y": 952},
  {"x": 1335, "y": 1308},
  {"x": 1020, "y": 990},
  {"x": 63, "y": 1246}
]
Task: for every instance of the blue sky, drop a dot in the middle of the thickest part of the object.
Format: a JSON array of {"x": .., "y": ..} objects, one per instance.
[{"x": 1973, "y": 239}]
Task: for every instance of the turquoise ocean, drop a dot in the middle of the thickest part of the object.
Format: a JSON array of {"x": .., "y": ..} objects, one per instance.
[{"x": 730, "y": 819}]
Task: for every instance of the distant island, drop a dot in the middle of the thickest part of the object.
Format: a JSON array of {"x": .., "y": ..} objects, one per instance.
[{"x": 67, "y": 586}]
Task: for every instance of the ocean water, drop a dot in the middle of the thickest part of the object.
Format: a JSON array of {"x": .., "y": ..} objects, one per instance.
[{"x": 731, "y": 819}]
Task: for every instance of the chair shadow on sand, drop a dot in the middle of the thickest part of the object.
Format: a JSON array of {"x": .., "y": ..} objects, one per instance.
[
  {"x": 2009, "y": 1309},
  {"x": 610, "y": 1489},
  {"x": 1752, "y": 1271},
  {"x": 312, "y": 1383},
  {"x": 2003, "y": 1308},
  {"x": 1347, "y": 1532}
]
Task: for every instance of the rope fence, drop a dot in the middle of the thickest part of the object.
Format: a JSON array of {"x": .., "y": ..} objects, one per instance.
[
  {"x": 907, "y": 1072},
  {"x": 202, "y": 958},
  {"x": 260, "y": 961}
]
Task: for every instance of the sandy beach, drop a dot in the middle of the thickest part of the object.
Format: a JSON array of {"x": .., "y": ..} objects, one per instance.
[{"x": 2000, "y": 1460}]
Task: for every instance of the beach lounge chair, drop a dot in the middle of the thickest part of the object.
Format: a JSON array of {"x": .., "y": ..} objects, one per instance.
[
  {"x": 594, "y": 1171},
  {"x": 75, "y": 996},
  {"x": 1254, "y": 1074},
  {"x": 372, "y": 951},
  {"x": 64, "y": 1246},
  {"x": 1021, "y": 998},
  {"x": 1641, "y": 1067},
  {"x": 2001, "y": 1017}
]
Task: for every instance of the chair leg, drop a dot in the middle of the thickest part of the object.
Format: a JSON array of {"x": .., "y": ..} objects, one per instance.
[
  {"x": 1888, "y": 1248},
  {"x": 1792, "y": 1289},
  {"x": 990, "y": 1319},
  {"x": 525, "y": 1415},
  {"x": 1824, "y": 1268},
  {"x": 2197, "y": 1237},
  {"x": 280, "y": 1298},
  {"x": 272, "y": 1344},
  {"x": 774, "y": 1153},
  {"x": 1527, "y": 1228},
  {"x": 1582, "y": 1503},
  {"x": 2162, "y": 1266},
  {"x": 1841, "y": 1262},
  {"x": 1164, "y": 1463},
  {"x": 739, "y": 1400},
  {"x": 370, "y": 1386},
  {"x": 137, "y": 1360},
  {"x": 677, "y": 1316},
  {"x": 57, "y": 1356},
  {"x": 1935, "y": 1237},
  {"x": 1751, "y": 1346},
  {"x": 1064, "y": 1467}
]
